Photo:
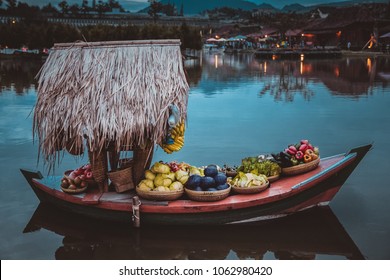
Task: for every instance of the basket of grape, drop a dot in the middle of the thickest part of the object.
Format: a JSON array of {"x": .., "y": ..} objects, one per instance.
[{"x": 262, "y": 164}]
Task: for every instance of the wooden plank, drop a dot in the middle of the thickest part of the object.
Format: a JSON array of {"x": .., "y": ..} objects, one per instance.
[{"x": 92, "y": 197}]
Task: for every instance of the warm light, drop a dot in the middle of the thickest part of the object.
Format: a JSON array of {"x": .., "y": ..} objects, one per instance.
[
  {"x": 265, "y": 36},
  {"x": 303, "y": 34},
  {"x": 338, "y": 33},
  {"x": 369, "y": 65},
  {"x": 337, "y": 72},
  {"x": 216, "y": 61},
  {"x": 13, "y": 21},
  {"x": 302, "y": 57},
  {"x": 301, "y": 67},
  {"x": 277, "y": 45},
  {"x": 265, "y": 67},
  {"x": 216, "y": 37},
  {"x": 273, "y": 57}
]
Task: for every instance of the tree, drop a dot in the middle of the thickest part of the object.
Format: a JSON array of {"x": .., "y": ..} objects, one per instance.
[
  {"x": 11, "y": 4},
  {"x": 154, "y": 8},
  {"x": 49, "y": 9},
  {"x": 64, "y": 7},
  {"x": 74, "y": 9},
  {"x": 181, "y": 10},
  {"x": 84, "y": 6}
]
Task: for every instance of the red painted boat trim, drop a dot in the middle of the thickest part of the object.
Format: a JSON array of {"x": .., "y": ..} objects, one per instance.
[{"x": 280, "y": 189}]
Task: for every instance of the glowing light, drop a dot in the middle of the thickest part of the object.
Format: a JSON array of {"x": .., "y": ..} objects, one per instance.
[
  {"x": 265, "y": 67},
  {"x": 337, "y": 72},
  {"x": 369, "y": 65},
  {"x": 302, "y": 57},
  {"x": 273, "y": 57},
  {"x": 216, "y": 61},
  {"x": 301, "y": 67},
  {"x": 338, "y": 33}
]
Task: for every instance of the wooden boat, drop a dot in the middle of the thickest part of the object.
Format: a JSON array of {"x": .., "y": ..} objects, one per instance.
[
  {"x": 288, "y": 195},
  {"x": 309, "y": 234}
]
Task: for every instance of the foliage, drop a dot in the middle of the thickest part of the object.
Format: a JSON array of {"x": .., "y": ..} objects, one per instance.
[{"x": 38, "y": 34}]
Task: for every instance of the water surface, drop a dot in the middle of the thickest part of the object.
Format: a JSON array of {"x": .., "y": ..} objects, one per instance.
[{"x": 239, "y": 106}]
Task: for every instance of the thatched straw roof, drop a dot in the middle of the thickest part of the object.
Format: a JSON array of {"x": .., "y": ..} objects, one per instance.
[{"x": 108, "y": 92}]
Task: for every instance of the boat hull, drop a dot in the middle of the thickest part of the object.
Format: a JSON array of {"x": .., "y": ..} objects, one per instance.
[{"x": 312, "y": 190}]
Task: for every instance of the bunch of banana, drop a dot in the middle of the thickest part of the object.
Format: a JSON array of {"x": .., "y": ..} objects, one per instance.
[{"x": 175, "y": 140}]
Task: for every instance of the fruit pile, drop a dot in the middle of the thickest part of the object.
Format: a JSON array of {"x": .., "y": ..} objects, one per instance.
[
  {"x": 212, "y": 181},
  {"x": 248, "y": 180},
  {"x": 302, "y": 152},
  {"x": 175, "y": 139},
  {"x": 260, "y": 165},
  {"x": 165, "y": 177},
  {"x": 78, "y": 178}
]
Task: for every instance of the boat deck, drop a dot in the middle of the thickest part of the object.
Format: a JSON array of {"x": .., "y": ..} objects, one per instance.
[{"x": 284, "y": 187}]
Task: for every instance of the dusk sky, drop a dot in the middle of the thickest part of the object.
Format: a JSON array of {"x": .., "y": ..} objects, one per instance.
[{"x": 135, "y": 5}]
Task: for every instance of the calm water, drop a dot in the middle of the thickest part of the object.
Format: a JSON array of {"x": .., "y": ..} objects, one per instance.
[{"x": 238, "y": 107}]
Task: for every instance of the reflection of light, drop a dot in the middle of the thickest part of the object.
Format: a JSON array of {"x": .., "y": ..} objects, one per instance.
[
  {"x": 301, "y": 68},
  {"x": 369, "y": 65},
  {"x": 265, "y": 67},
  {"x": 273, "y": 57},
  {"x": 216, "y": 61},
  {"x": 302, "y": 57},
  {"x": 337, "y": 72}
]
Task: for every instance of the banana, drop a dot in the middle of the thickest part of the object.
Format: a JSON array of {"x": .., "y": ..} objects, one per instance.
[
  {"x": 179, "y": 140},
  {"x": 177, "y": 134}
]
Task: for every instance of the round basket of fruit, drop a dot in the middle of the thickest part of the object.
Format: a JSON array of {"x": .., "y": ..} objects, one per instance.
[
  {"x": 299, "y": 158},
  {"x": 72, "y": 183},
  {"x": 262, "y": 164},
  {"x": 163, "y": 181},
  {"x": 248, "y": 183},
  {"x": 159, "y": 193},
  {"x": 210, "y": 187}
]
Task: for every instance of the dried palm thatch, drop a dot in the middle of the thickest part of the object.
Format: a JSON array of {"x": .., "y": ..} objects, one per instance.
[{"x": 115, "y": 93}]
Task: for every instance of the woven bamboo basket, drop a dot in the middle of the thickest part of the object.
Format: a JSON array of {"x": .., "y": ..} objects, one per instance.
[
  {"x": 76, "y": 191},
  {"x": 273, "y": 178},
  {"x": 301, "y": 168},
  {"x": 250, "y": 190},
  {"x": 99, "y": 168},
  {"x": 91, "y": 182},
  {"x": 161, "y": 196},
  {"x": 231, "y": 173},
  {"x": 206, "y": 195},
  {"x": 122, "y": 179}
]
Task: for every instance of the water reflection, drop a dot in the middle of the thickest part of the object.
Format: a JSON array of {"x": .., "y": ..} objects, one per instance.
[
  {"x": 306, "y": 235},
  {"x": 18, "y": 74},
  {"x": 289, "y": 82},
  {"x": 350, "y": 77}
]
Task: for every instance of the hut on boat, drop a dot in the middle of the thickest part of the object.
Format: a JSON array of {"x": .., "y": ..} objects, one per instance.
[{"x": 107, "y": 97}]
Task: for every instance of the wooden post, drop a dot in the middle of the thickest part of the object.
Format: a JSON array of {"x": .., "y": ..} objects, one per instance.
[
  {"x": 142, "y": 160},
  {"x": 136, "y": 214}
]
